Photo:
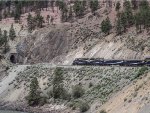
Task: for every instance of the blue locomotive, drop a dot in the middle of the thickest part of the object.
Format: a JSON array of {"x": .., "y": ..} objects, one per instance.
[{"x": 106, "y": 62}]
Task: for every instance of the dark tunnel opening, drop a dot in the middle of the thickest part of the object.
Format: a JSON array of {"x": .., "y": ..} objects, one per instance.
[{"x": 12, "y": 59}]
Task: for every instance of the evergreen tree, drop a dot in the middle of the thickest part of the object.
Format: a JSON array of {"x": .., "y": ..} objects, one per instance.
[
  {"x": 34, "y": 95},
  {"x": 52, "y": 20},
  {"x": 5, "y": 39},
  {"x": 94, "y": 5},
  {"x": 5, "y": 13},
  {"x": 123, "y": 20},
  {"x": 121, "y": 23},
  {"x": 142, "y": 17},
  {"x": 30, "y": 23},
  {"x": 58, "y": 84},
  {"x": 39, "y": 19},
  {"x": 78, "y": 8},
  {"x": 134, "y": 4},
  {"x": 64, "y": 13},
  {"x": 0, "y": 33},
  {"x": 17, "y": 13},
  {"x": 48, "y": 19},
  {"x": 106, "y": 26},
  {"x": 128, "y": 13},
  {"x": 119, "y": 27},
  {"x": 12, "y": 34},
  {"x": 52, "y": 5},
  {"x": 70, "y": 13},
  {"x": 144, "y": 4},
  {"x": 1, "y": 38},
  {"x": 138, "y": 21},
  {"x": 0, "y": 16},
  {"x": 118, "y": 6},
  {"x": 60, "y": 4},
  {"x": 127, "y": 5}
]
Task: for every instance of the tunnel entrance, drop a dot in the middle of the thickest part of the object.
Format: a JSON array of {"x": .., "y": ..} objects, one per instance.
[{"x": 12, "y": 59}]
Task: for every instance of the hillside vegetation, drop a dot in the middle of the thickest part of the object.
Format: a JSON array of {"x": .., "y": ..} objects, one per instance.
[
  {"x": 92, "y": 85},
  {"x": 45, "y": 37}
]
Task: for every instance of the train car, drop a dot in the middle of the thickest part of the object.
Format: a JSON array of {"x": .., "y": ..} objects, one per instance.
[
  {"x": 87, "y": 61},
  {"x": 97, "y": 62},
  {"x": 103, "y": 62},
  {"x": 133, "y": 63},
  {"x": 147, "y": 61},
  {"x": 113, "y": 62},
  {"x": 80, "y": 61}
]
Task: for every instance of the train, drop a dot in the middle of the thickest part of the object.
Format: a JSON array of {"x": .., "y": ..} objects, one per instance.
[{"x": 110, "y": 62}]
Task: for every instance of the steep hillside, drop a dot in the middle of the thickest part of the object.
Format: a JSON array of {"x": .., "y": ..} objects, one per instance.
[
  {"x": 63, "y": 43},
  {"x": 49, "y": 38},
  {"x": 132, "y": 99},
  {"x": 99, "y": 84}
]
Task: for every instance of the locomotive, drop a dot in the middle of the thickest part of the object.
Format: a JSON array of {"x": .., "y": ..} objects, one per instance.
[{"x": 106, "y": 62}]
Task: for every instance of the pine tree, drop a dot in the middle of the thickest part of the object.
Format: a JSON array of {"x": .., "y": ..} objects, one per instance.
[
  {"x": 1, "y": 38},
  {"x": 119, "y": 27},
  {"x": 121, "y": 23},
  {"x": 138, "y": 21},
  {"x": 0, "y": 16},
  {"x": 60, "y": 4},
  {"x": 94, "y": 5},
  {"x": 106, "y": 26},
  {"x": 39, "y": 19},
  {"x": 70, "y": 13},
  {"x": 64, "y": 13},
  {"x": 134, "y": 4},
  {"x": 127, "y": 5},
  {"x": 52, "y": 5},
  {"x": 30, "y": 23},
  {"x": 17, "y": 14},
  {"x": 5, "y": 13},
  {"x": 123, "y": 20},
  {"x": 128, "y": 13},
  {"x": 48, "y": 19},
  {"x": 5, "y": 39},
  {"x": 34, "y": 95},
  {"x": 12, "y": 34},
  {"x": 144, "y": 4},
  {"x": 52, "y": 20},
  {"x": 142, "y": 18},
  {"x": 58, "y": 84},
  {"x": 78, "y": 8},
  {"x": 118, "y": 6}
]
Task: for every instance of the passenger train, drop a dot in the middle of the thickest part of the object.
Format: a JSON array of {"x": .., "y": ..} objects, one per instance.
[{"x": 106, "y": 62}]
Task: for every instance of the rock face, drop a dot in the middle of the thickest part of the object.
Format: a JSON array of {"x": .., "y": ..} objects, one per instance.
[{"x": 62, "y": 44}]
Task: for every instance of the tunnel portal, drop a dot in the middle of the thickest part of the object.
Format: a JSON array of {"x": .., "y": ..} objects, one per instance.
[{"x": 12, "y": 59}]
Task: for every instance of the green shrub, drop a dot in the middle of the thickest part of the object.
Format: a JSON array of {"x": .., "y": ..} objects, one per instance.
[
  {"x": 90, "y": 84},
  {"x": 77, "y": 91},
  {"x": 141, "y": 72},
  {"x": 84, "y": 107},
  {"x": 50, "y": 94},
  {"x": 102, "y": 111},
  {"x": 65, "y": 95},
  {"x": 42, "y": 101}
]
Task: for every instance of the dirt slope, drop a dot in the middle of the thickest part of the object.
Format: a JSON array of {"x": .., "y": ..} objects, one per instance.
[{"x": 132, "y": 99}]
